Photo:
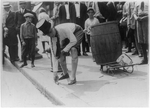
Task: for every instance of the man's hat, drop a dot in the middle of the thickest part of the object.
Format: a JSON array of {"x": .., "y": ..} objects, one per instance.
[
  {"x": 90, "y": 8},
  {"x": 44, "y": 26},
  {"x": 42, "y": 10},
  {"x": 28, "y": 15},
  {"x": 22, "y": 2},
  {"x": 6, "y": 5}
]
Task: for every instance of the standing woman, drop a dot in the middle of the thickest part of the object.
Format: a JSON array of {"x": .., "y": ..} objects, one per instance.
[
  {"x": 141, "y": 16},
  {"x": 44, "y": 38}
]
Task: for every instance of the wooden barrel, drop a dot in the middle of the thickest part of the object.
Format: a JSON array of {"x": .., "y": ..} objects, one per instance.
[{"x": 105, "y": 42}]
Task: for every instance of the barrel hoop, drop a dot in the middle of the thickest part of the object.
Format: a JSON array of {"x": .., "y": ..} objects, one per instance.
[
  {"x": 104, "y": 34},
  {"x": 105, "y": 23}
]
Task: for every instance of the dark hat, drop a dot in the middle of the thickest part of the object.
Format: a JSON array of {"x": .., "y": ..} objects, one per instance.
[
  {"x": 90, "y": 8},
  {"x": 28, "y": 15},
  {"x": 44, "y": 26},
  {"x": 22, "y": 2},
  {"x": 6, "y": 5}
]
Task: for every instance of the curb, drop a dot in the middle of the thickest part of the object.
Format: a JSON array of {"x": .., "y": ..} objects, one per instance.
[
  {"x": 57, "y": 97},
  {"x": 46, "y": 93}
]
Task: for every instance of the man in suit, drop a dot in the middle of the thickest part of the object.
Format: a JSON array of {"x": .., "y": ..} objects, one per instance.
[
  {"x": 103, "y": 10},
  {"x": 112, "y": 11},
  {"x": 10, "y": 38},
  {"x": 81, "y": 16},
  {"x": 20, "y": 17},
  {"x": 67, "y": 12}
]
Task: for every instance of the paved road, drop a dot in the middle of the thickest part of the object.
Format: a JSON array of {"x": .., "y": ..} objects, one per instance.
[{"x": 18, "y": 91}]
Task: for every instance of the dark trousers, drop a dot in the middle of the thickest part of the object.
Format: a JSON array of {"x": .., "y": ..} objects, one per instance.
[
  {"x": 12, "y": 49},
  {"x": 29, "y": 49},
  {"x": 85, "y": 46},
  {"x": 144, "y": 50},
  {"x": 130, "y": 37},
  {"x": 89, "y": 42}
]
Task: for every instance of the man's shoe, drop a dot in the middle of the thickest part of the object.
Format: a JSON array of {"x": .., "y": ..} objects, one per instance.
[
  {"x": 128, "y": 51},
  {"x": 85, "y": 54},
  {"x": 21, "y": 60},
  {"x": 12, "y": 61},
  {"x": 144, "y": 62},
  {"x": 24, "y": 64},
  {"x": 140, "y": 55},
  {"x": 32, "y": 65},
  {"x": 72, "y": 82},
  {"x": 79, "y": 54},
  {"x": 64, "y": 76},
  {"x": 17, "y": 59},
  {"x": 135, "y": 53}
]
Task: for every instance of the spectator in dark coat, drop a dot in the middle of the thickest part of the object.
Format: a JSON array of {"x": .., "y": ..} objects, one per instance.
[
  {"x": 10, "y": 32},
  {"x": 67, "y": 13},
  {"x": 112, "y": 11},
  {"x": 103, "y": 8}
]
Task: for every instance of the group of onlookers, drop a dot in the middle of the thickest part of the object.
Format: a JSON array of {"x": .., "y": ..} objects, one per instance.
[
  {"x": 132, "y": 20},
  {"x": 135, "y": 15},
  {"x": 12, "y": 26}
]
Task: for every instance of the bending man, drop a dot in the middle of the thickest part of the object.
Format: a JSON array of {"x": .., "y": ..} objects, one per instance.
[{"x": 68, "y": 36}]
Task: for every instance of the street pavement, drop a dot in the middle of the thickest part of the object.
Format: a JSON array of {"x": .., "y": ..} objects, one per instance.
[
  {"x": 93, "y": 87},
  {"x": 18, "y": 91}
]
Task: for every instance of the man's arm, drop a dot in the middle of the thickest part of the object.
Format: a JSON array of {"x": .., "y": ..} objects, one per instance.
[
  {"x": 21, "y": 34},
  {"x": 72, "y": 39},
  {"x": 35, "y": 35}
]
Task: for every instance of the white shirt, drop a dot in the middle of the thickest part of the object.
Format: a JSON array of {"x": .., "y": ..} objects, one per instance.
[
  {"x": 67, "y": 11},
  {"x": 77, "y": 8},
  {"x": 66, "y": 30},
  {"x": 89, "y": 23},
  {"x": 22, "y": 10}
]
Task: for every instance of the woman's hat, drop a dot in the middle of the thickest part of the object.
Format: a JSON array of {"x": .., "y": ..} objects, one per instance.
[
  {"x": 90, "y": 8},
  {"x": 28, "y": 15},
  {"x": 6, "y": 5},
  {"x": 44, "y": 26}
]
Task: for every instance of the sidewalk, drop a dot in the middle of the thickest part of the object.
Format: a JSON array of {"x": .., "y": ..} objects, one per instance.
[{"x": 92, "y": 88}]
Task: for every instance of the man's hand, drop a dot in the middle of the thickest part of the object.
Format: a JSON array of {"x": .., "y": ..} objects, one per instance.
[
  {"x": 63, "y": 52},
  {"x": 139, "y": 19},
  {"x": 85, "y": 31}
]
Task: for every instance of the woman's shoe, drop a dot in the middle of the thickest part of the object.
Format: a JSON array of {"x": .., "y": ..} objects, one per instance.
[
  {"x": 72, "y": 82},
  {"x": 56, "y": 78}
]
